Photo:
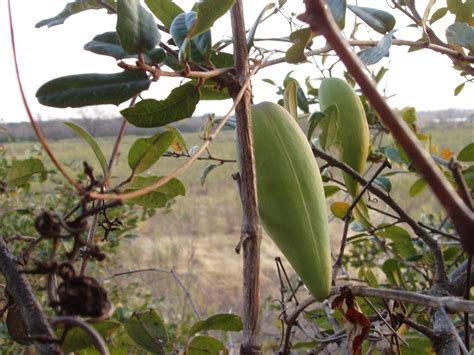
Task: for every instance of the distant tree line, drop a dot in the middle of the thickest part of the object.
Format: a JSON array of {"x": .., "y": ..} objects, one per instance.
[{"x": 98, "y": 124}]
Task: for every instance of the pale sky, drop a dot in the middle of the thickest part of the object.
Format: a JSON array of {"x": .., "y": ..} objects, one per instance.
[{"x": 423, "y": 79}]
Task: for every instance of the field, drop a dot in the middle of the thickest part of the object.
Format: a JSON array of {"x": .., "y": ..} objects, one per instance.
[{"x": 198, "y": 236}]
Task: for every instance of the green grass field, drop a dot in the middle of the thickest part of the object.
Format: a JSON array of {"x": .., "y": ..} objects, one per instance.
[{"x": 197, "y": 238}]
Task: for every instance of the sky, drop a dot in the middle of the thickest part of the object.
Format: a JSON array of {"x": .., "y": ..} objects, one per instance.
[{"x": 423, "y": 79}]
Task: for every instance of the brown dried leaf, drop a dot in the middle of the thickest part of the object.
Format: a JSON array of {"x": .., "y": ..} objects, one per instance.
[
  {"x": 16, "y": 327},
  {"x": 357, "y": 325}
]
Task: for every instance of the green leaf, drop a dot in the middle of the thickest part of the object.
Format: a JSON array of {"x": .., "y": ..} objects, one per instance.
[
  {"x": 375, "y": 54},
  {"x": 211, "y": 91},
  {"x": 380, "y": 21},
  {"x": 225, "y": 322},
  {"x": 146, "y": 151},
  {"x": 23, "y": 170},
  {"x": 338, "y": 10},
  {"x": 290, "y": 101},
  {"x": 205, "y": 345},
  {"x": 468, "y": 175},
  {"x": 92, "y": 143},
  {"x": 164, "y": 10},
  {"x": 70, "y": 9},
  {"x": 438, "y": 14},
  {"x": 409, "y": 115},
  {"x": 391, "y": 268},
  {"x": 395, "y": 233},
  {"x": 157, "y": 198},
  {"x": 300, "y": 39},
  {"x": 339, "y": 209},
  {"x": 313, "y": 122},
  {"x": 208, "y": 11},
  {"x": 461, "y": 34},
  {"x": 148, "y": 330},
  {"x": 463, "y": 10},
  {"x": 384, "y": 183},
  {"x": 253, "y": 29},
  {"x": 206, "y": 172},
  {"x": 92, "y": 89},
  {"x": 77, "y": 339},
  {"x": 222, "y": 59},
  {"x": 417, "y": 187},
  {"x": 197, "y": 49},
  {"x": 330, "y": 190},
  {"x": 149, "y": 113},
  {"x": 136, "y": 27},
  {"x": 467, "y": 153},
  {"x": 108, "y": 44},
  {"x": 459, "y": 88}
]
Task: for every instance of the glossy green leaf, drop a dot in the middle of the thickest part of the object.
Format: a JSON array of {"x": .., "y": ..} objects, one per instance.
[
  {"x": 108, "y": 44},
  {"x": 23, "y": 170},
  {"x": 149, "y": 113},
  {"x": 164, "y": 10},
  {"x": 300, "y": 39},
  {"x": 92, "y": 89},
  {"x": 380, "y": 21},
  {"x": 205, "y": 345},
  {"x": 148, "y": 330},
  {"x": 208, "y": 11},
  {"x": 395, "y": 233},
  {"x": 467, "y": 153},
  {"x": 225, "y": 322},
  {"x": 70, "y": 9},
  {"x": 92, "y": 143},
  {"x": 253, "y": 29},
  {"x": 197, "y": 49},
  {"x": 417, "y": 187},
  {"x": 157, "y": 198},
  {"x": 338, "y": 10},
  {"x": 290, "y": 101},
  {"x": 136, "y": 27},
  {"x": 438, "y": 14},
  {"x": 375, "y": 54},
  {"x": 77, "y": 339},
  {"x": 146, "y": 151},
  {"x": 313, "y": 122},
  {"x": 461, "y": 34}
]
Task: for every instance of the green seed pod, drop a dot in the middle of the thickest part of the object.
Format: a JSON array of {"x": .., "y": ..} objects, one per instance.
[
  {"x": 352, "y": 130},
  {"x": 291, "y": 198}
]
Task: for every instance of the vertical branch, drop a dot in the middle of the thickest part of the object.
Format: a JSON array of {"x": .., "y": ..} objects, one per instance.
[
  {"x": 251, "y": 231},
  {"x": 31, "y": 312}
]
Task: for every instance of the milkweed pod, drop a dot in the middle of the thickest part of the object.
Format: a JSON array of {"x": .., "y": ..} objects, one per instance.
[
  {"x": 291, "y": 199},
  {"x": 352, "y": 130}
]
